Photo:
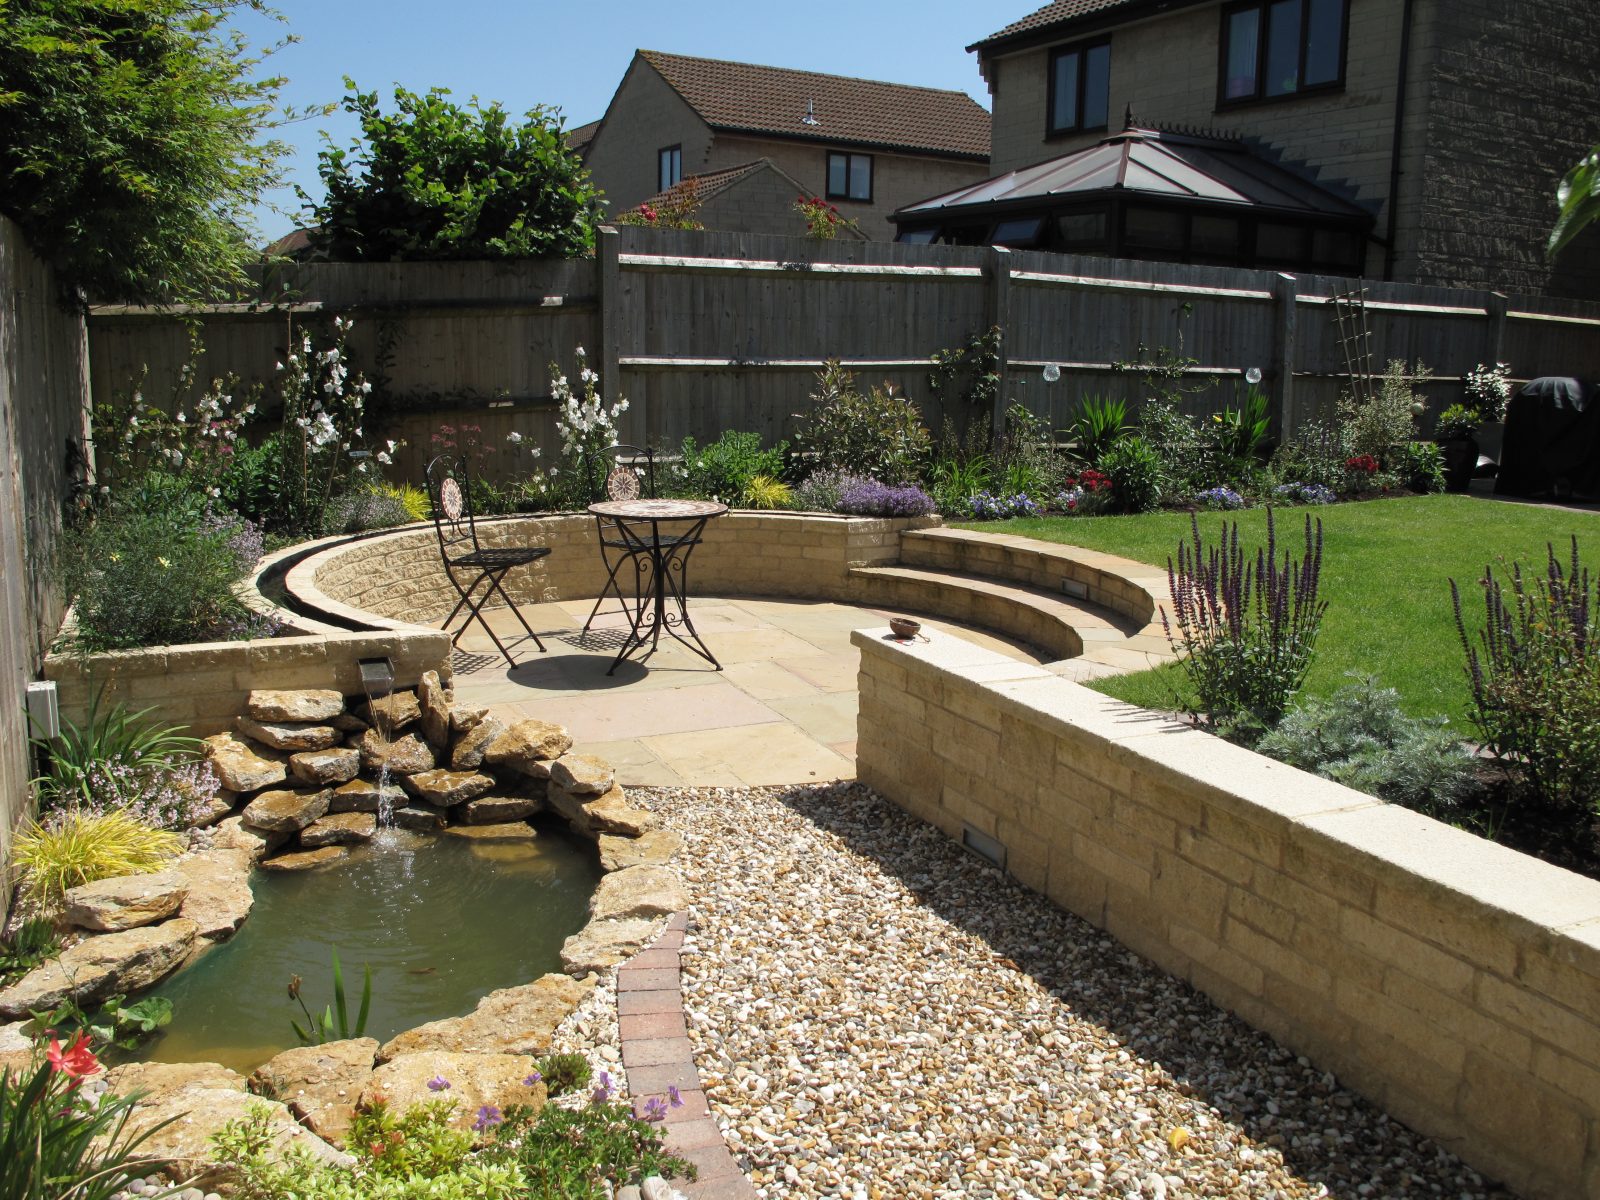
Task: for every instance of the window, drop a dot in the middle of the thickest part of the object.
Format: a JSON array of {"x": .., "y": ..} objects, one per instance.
[
  {"x": 849, "y": 176},
  {"x": 918, "y": 236},
  {"x": 1276, "y": 48},
  {"x": 1020, "y": 232},
  {"x": 1080, "y": 88},
  {"x": 670, "y": 170}
]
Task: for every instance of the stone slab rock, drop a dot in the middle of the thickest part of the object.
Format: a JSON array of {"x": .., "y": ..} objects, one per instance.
[
  {"x": 406, "y": 756},
  {"x": 339, "y": 829},
  {"x": 608, "y": 813},
  {"x": 233, "y": 834},
  {"x": 475, "y": 1080},
  {"x": 218, "y": 885},
  {"x": 464, "y": 716},
  {"x": 306, "y": 860},
  {"x": 434, "y": 702},
  {"x": 392, "y": 712},
  {"x": 348, "y": 722},
  {"x": 16, "y": 1048},
  {"x": 126, "y": 902},
  {"x": 242, "y": 767},
  {"x": 638, "y": 892},
  {"x": 471, "y": 747},
  {"x": 283, "y": 735},
  {"x": 446, "y": 788},
  {"x": 421, "y": 817},
  {"x": 362, "y": 795},
  {"x": 285, "y": 810},
  {"x": 652, "y": 849},
  {"x": 511, "y": 831},
  {"x": 602, "y": 944},
  {"x": 496, "y": 810},
  {"x": 97, "y": 967},
  {"x": 528, "y": 742},
  {"x": 203, "y": 1097},
  {"x": 517, "y": 1020},
  {"x": 582, "y": 775},
  {"x": 215, "y": 810},
  {"x": 302, "y": 707},
  {"x": 320, "y": 1084},
  {"x": 324, "y": 768}
]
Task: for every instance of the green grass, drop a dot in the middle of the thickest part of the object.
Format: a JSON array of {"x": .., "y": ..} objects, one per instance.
[{"x": 1386, "y": 571}]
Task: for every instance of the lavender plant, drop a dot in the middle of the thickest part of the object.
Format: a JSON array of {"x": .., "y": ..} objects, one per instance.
[
  {"x": 1246, "y": 625},
  {"x": 869, "y": 498},
  {"x": 1536, "y": 685}
]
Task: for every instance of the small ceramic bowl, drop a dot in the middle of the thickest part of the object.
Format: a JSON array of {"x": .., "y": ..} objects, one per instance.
[{"x": 904, "y": 627}]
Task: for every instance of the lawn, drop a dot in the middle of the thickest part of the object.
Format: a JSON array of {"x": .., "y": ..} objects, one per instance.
[{"x": 1387, "y": 566}]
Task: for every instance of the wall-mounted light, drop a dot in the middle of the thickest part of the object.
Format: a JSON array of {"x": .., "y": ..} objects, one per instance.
[{"x": 1253, "y": 376}]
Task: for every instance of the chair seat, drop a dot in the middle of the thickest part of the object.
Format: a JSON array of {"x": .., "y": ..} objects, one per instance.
[{"x": 510, "y": 556}]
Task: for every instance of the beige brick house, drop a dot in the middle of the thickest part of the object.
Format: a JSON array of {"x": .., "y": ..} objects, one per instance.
[
  {"x": 867, "y": 146},
  {"x": 1447, "y": 122}
]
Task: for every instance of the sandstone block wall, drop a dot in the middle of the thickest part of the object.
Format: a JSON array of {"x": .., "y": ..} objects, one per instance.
[{"x": 1454, "y": 982}]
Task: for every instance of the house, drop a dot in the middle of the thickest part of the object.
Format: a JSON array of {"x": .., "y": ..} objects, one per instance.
[
  {"x": 1253, "y": 133},
  {"x": 755, "y": 197},
  {"x": 866, "y": 146}
]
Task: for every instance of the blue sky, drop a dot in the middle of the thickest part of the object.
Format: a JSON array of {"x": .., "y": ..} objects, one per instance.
[{"x": 573, "y": 55}]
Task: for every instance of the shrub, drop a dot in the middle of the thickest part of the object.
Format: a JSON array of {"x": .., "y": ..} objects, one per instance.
[
  {"x": 78, "y": 845},
  {"x": 822, "y": 490},
  {"x": 1536, "y": 685},
  {"x": 1315, "y": 455},
  {"x": 252, "y": 479},
  {"x": 763, "y": 491},
  {"x": 1456, "y": 422},
  {"x": 412, "y": 498},
  {"x": 1183, "y": 454},
  {"x": 365, "y": 508},
  {"x": 323, "y": 407},
  {"x": 1360, "y": 738},
  {"x": 956, "y": 477},
  {"x": 1246, "y": 626},
  {"x": 1135, "y": 471},
  {"x": 107, "y": 735},
  {"x": 1377, "y": 427},
  {"x": 1024, "y": 460},
  {"x": 1420, "y": 466},
  {"x": 878, "y": 434},
  {"x": 1489, "y": 391},
  {"x": 1097, "y": 424},
  {"x": 725, "y": 467},
  {"x": 869, "y": 498},
  {"x": 564, "y": 1152}
]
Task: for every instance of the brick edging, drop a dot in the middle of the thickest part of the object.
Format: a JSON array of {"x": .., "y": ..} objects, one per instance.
[{"x": 657, "y": 1054}]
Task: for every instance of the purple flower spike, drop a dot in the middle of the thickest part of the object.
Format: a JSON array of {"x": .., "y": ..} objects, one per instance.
[
  {"x": 675, "y": 1096},
  {"x": 488, "y": 1117},
  {"x": 533, "y": 1078},
  {"x": 438, "y": 1084},
  {"x": 655, "y": 1109}
]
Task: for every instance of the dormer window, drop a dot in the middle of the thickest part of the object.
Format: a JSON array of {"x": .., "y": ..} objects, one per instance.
[
  {"x": 1080, "y": 88},
  {"x": 669, "y": 167},
  {"x": 1277, "y": 48}
]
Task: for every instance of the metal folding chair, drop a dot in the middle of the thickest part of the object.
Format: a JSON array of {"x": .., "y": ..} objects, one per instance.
[
  {"x": 624, "y": 473},
  {"x": 450, "y": 492}
]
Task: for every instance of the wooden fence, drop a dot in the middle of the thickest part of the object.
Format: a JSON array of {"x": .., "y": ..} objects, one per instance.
[
  {"x": 44, "y": 390},
  {"x": 709, "y": 331}
]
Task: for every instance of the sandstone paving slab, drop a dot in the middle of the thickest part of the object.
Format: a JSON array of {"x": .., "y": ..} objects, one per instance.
[
  {"x": 638, "y": 892},
  {"x": 602, "y": 944},
  {"x": 125, "y": 902},
  {"x": 302, "y": 706},
  {"x": 287, "y": 735},
  {"x": 652, "y": 848}
]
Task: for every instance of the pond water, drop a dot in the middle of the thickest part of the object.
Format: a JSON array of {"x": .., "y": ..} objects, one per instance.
[{"x": 442, "y": 921}]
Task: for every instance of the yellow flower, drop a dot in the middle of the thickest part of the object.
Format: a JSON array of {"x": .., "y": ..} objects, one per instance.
[{"x": 163, "y": 562}]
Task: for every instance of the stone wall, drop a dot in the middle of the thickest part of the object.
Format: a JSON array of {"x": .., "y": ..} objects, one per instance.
[{"x": 1453, "y": 981}]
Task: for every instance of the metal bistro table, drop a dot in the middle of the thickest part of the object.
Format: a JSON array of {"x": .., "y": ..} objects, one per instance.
[{"x": 660, "y": 569}]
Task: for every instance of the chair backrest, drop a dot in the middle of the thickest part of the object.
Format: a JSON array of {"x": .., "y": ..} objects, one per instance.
[
  {"x": 623, "y": 473},
  {"x": 450, "y": 495}
]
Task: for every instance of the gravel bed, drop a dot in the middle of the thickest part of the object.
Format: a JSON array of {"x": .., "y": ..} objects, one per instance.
[{"x": 877, "y": 1014}]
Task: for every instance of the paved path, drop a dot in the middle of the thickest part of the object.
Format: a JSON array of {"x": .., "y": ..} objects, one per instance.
[{"x": 782, "y": 709}]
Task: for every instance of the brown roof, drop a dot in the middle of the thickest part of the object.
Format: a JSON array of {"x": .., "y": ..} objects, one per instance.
[
  {"x": 1057, "y": 13},
  {"x": 579, "y": 136},
  {"x": 711, "y": 183},
  {"x": 773, "y": 100}
]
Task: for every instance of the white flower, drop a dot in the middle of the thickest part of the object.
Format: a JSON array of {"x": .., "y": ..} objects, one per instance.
[
  {"x": 514, "y": 438},
  {"x": 384, "y": 458}
]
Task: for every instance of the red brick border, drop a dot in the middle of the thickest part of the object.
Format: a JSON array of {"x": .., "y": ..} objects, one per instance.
[{"x": 657, "y": 1054}]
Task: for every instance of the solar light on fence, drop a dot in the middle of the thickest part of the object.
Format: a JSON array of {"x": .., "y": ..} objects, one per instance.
[{"x": 1052, "y": 372}]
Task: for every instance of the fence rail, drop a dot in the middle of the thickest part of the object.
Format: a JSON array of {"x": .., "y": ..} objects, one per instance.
[{"x": 705, "y": 331}]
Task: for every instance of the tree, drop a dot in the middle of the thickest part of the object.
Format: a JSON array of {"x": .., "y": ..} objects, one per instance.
[
  {"x": 131, "y": 142},
  {"x": 439, "y": 181},
  {"x": 1578, "y": 194}
]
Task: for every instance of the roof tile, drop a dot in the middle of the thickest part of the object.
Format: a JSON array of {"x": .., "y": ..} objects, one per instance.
[{"x": 1052, "y": 14}]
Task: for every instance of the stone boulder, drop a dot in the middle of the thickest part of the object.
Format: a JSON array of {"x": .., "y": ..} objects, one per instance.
[
  {"x": 517, "y": 1020},
  {"x": 233, "y": 834},
  {"x": 242, "y": 767},
  {"x": 203, "y": 1097},
  {"x": 339, "y": 829},
  {"x": 653, "y": 849},
  {"x": 306, "y": 860},
  {"x": 606, "y": 813},
  {"x": 126, "y": 902},
  {"x": 319, "y": 1084},
  {"x": 218, "y": 885},
  {"x": 475, "y": 1080},
  {"x": 527, "y": 743},
  {"x": 496, "y": 810},
  {"x": 404, "y": 756},
  {"x": 464, "y": 716},
  {"x": 638, "y": 892},
  {"x": 421, "y": 817},
  {"x": 393, "y": 712},
  {"x": 361, "y": 795},
  {"x": 582, "y": 775},
  {"x": 17, "y": 1054},
  {"x": 434, "y": 703},
  {"x": 447, "y": 788},
  {"x": 511, "y": 831},
  {"x": 283, "y": 735},
  {"x": 602, "y": 944},
  {"x": 97, "y": 967},
  {"x": 470, "y": 749},
  {"x": 300, "y": 707},
  {"x": 285, "y": 810},
  {"x": 324, "y": 768}
]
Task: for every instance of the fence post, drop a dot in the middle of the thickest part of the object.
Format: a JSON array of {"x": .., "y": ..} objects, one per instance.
[
  {"x": 1285, "y": 290},
  {"x": 998, "y": 313},
  {"x": 608, "y": 293},
  {"x": 1495, "y": 336}
]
